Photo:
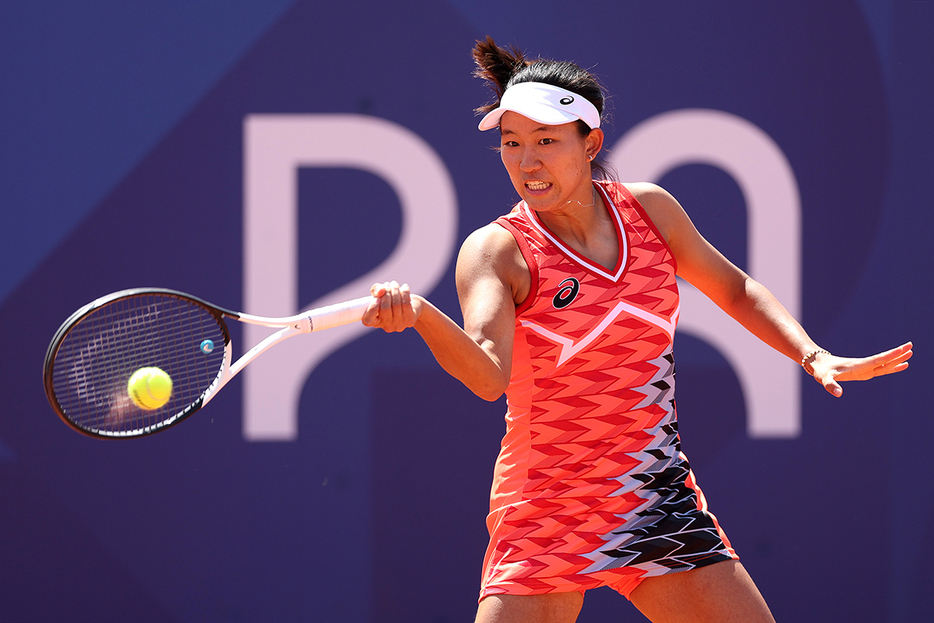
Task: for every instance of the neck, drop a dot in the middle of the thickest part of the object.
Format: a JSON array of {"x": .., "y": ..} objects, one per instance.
[
  {"x": 588, "y": 230},
  {"x": 577, "y": 219}
]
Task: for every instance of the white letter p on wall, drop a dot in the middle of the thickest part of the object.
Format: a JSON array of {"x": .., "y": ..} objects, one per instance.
[{"x": 275, "y": 147}]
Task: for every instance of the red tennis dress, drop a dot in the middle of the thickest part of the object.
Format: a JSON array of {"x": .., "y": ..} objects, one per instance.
[{"x": 591, "y": 487}]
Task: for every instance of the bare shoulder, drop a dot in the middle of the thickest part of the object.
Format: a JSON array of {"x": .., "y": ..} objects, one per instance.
[
  {"x": 491, "y": 241},
  {"x": 653, "y": 198},
  {"x": 648, "y": 191},
  {"x": 491, "y": 252},
  {"x": 660, "y": 206},
  {"x": 698, "y": 261}
]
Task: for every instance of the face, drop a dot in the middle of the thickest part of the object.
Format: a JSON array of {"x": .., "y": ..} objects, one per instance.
[{"x": 549, "y": 165}]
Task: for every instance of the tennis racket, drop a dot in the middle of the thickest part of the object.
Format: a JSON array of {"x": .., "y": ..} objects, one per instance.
[{"x": 93, "y": 354}]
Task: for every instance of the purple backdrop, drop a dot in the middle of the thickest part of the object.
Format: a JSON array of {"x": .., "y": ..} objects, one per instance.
[{"x": 375, "y": 513}]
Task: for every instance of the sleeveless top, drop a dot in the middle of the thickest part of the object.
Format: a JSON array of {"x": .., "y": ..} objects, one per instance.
[{"x": 590, "y": 485}]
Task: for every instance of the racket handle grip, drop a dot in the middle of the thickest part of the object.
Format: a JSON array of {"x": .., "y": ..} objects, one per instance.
[{"x": 339, "y": 314}]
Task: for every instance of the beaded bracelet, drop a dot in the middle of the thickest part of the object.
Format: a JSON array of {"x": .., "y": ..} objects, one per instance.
[{"x": 806, "y": 360}]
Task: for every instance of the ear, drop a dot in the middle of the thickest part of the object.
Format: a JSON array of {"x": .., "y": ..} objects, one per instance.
[{"x": 593, "y": 143}]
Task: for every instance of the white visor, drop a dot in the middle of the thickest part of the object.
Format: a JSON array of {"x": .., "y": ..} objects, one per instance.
[{"x": 544, "y": 103}]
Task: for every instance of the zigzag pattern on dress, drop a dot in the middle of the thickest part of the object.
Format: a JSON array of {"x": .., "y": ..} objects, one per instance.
[{"x": 591, "y": 485}]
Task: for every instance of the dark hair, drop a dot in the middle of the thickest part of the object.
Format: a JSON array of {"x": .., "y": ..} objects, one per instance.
[{"x": 502, "y": 68}]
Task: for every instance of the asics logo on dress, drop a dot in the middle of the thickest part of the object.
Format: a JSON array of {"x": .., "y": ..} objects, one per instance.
[{"x": 567, "y": 292}]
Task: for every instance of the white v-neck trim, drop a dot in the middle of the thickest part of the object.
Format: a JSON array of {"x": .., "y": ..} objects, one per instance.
[{"x": 622, "y": 260}]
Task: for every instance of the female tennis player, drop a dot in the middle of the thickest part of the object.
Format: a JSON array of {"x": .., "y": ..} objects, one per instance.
[{"x": 569, "y": 305}]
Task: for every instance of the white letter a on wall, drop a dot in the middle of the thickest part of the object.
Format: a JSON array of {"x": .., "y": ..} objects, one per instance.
[{"x": 771, "y": 383}]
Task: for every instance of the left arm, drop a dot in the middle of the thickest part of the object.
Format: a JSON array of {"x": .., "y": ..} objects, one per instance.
[{"x": 750, "y": 303}]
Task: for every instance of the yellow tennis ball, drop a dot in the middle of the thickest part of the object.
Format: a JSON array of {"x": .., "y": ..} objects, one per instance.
[{"x": 150, "y": 388}]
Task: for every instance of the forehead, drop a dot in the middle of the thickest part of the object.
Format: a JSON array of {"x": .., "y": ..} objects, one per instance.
[{"x": 516, "y": 123}]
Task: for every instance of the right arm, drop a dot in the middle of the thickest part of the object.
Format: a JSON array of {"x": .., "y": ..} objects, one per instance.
[{"x": 491, "y": 278}]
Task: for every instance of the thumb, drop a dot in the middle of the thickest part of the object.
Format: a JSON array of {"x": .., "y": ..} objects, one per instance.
[{"x": 834, "y": 388}]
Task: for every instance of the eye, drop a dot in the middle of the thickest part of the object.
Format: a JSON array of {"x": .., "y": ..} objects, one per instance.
[{"x": 546, "y": 141}]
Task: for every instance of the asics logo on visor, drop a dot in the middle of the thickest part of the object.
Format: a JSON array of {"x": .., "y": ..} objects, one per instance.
[{"x": 544, "y": 103}]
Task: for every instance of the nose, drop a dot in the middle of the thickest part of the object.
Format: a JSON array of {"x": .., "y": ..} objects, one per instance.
[{"x": 529, "y": 160}]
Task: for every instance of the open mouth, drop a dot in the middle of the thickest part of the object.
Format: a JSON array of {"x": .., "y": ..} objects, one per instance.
[{"x": 537, "y": 186}]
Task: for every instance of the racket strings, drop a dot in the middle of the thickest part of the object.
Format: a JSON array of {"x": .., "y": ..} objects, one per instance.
[{"x": 96, "y": 358}]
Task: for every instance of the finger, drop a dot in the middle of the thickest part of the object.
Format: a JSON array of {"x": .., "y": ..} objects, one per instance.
[
  {"x": 834, "y": 388},
  {"x": 369, "y": 318},
  {"x": 904, "y": 357},
  {"x": 386, "y": 291},
  {"x": 408, "y": 310},
  {"x": 891, "y": 361},
  {"x": 371, "y": 315},
  {"x": 384, "y": 309},
  {"x": 388, "y": 309},
  {"x": 897, "y": 355},
  {"x": 377, "y": 290},
  {"x": 396, "y": 296},
  {"x": 891, "y": 368}
]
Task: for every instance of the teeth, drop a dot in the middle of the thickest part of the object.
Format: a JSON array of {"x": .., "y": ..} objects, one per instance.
[{"x": 536, "y": 185}]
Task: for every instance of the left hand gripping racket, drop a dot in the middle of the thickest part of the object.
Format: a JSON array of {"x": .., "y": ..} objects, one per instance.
[{"x": 92, "y": 356}]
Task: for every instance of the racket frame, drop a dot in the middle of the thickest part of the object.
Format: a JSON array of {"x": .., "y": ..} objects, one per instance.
[{"x": 308, "y": 321}]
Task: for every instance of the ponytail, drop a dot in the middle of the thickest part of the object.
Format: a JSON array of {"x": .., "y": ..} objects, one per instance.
[
  {"x": 501, "y": 68},
  {"x": 497, "y": 66}
]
